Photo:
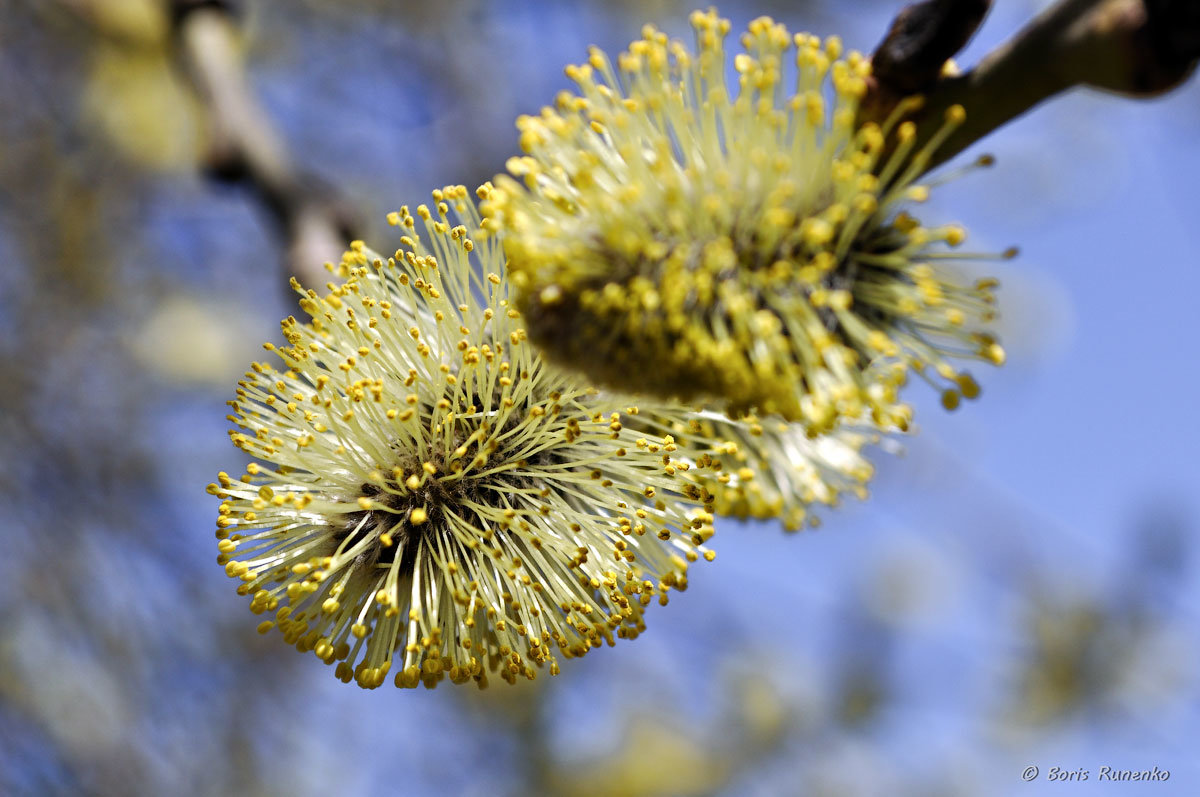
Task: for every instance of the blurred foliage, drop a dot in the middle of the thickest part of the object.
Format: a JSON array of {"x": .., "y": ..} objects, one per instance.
[{"x": 133, "y": 293}]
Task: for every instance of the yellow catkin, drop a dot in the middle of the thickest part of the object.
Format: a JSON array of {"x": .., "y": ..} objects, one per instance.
[
  {"x": 738, "y": 244},
  {"x": 430, "y": 500}
]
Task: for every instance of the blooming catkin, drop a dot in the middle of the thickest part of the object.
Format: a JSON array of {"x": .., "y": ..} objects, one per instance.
[
  {"x": 429, "y": 497},
  {"x": 765, "y": 468},
  {"x": 747, "y": 249}
]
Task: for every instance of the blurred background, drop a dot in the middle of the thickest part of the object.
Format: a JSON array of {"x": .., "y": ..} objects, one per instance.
[{"x": 1021, "y": 589}]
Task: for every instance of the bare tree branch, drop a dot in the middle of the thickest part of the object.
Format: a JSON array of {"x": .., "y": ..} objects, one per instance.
[
  {"x": 244, "y": 147},
  {"x": 1138, "y": 48}
]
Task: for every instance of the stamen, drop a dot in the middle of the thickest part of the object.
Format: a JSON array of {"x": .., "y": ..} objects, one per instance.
[
  {"x": 741, "y": 249},
  {"x": 412, "y": 518}
]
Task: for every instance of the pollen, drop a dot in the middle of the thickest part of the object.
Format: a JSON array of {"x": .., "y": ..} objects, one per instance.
[{"x": 734, "y": 239}]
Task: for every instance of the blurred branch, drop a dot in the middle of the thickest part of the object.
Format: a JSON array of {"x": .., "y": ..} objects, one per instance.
[
  {"x": 923, "y": 36},
  {"x": 1137, "y": 48},
  {"x": 244, "y": 147}
]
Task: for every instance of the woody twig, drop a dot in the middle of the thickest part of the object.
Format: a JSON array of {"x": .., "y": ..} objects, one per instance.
[{"x": 1137, "y": 48}]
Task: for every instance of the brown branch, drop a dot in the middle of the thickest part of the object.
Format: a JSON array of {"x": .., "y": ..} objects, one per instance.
[
  {"x": 1138, "y": 48},
  {"x": 922, "y": 38},
  {"x": 244, "y": 147}
]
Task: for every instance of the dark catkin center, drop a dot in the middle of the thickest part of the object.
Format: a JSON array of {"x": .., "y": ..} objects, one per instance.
[{"x": 436, "y": 494}]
